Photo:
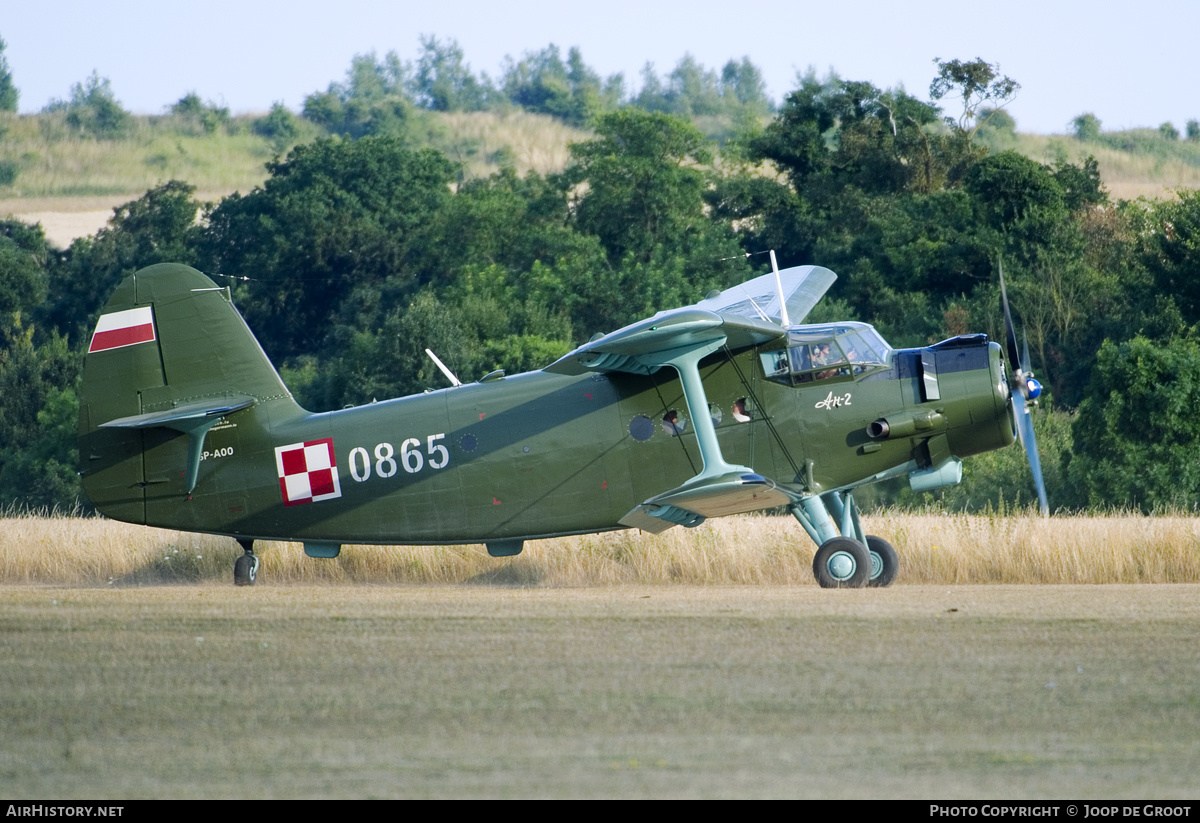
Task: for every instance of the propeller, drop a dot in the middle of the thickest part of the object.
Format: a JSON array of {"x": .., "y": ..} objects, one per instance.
[{"x": 1023, "y": 389}]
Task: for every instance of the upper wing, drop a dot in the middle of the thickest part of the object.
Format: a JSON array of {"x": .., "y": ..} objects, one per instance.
[
  {"x": 740, "y": 316},
  {"x": 803, "y": 287}
]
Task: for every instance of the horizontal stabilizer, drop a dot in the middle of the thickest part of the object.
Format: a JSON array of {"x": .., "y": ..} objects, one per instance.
[
  {"x": 193, "y": 419},
  {"x": 183, "y": 418}
]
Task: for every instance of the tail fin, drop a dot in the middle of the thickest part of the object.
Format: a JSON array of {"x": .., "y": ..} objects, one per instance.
[{"x": 170, "y": 355}]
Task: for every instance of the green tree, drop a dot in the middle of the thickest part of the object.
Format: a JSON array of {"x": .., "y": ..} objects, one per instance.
[
  {"x": 639, "y": 188},
  {"x": 742, "y": 81},
  {"x": 390, "y": 361},
  {"x": 978, "y": 84},
  {"x": 998, "y": 128},
  {"x": 1193, "y": 130},
  {"x": 24, "y": 256},
  {"x": 38, "y": 422},
  {"x": 1019, "y": 198},
  {"x": 335, "y": 221},
  {"x": 279, "y": 126},
  {"x": 572, "y": 91},
  {"x": 644, "y": 181},
  {"x": 193, "y": 111},
  {"x": 1169, "y": 242},
  {"x": 373, "y": 99},
  {"x": 693, "y": 89},
  {"x": 835, "y": 133},
  {"x": 94, "y": 110},
  {"x": 1168, "y": 131},
  {"x": 1138, "y": 427},
  {"x": 8, "y": 90},
  {"x": 443, "y": 81},
  {"x": 1087, "y": 127}
]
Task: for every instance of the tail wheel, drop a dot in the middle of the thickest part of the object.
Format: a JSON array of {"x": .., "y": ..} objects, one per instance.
[
  {"x": 842, "y": 563},
  {"x": 885, "y": 562}
]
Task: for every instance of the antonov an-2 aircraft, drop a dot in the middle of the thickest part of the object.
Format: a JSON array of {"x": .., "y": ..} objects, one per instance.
[{"x": 721, "y": 407}]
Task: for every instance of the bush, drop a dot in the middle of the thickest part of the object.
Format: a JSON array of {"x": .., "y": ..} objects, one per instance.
[
  {"x": 208, "y": 116},
  {"x": 1138, "y": 428},
  {"x": 94, "y": 109},
  {"x": 1086, "y": 127},
  {"x": 279, "y": 126}
]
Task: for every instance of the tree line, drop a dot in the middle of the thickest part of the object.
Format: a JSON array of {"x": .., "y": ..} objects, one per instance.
[{"x": 360, "y": 250}]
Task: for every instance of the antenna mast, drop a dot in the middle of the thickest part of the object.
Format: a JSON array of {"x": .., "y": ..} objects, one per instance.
[{"x": 783, "y": 315}]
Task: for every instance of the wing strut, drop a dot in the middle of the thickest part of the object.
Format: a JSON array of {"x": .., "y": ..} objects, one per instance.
[
  {"x": 720, "y": 488},
  {"x": 687, "y": 363}
]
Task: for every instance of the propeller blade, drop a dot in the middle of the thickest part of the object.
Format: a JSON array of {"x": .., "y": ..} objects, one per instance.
[
  {"x": 1010, "y": 332},
  {"x": 1025, "y": 353},
  {"x": 1029, "y": 443},
  {"x": 1023, "y": 388}
]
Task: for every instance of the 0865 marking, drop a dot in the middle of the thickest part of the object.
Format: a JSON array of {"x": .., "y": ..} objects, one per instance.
[{"x": 411, "y": 458}]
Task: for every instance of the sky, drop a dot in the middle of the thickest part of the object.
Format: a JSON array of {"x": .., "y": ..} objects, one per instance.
[{"x": 1130, "y": 65}]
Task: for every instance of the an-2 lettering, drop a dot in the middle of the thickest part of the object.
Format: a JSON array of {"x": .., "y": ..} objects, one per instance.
[{"x": 832, "y": 402}]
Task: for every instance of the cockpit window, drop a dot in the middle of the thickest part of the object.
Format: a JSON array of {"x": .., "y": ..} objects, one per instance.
[{"x": 824, "y": 352}]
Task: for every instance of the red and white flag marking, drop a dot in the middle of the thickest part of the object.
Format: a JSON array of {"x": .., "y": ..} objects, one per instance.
[
  {"x": 307, "y": 472},
  {"x": 123, "y": 328}
]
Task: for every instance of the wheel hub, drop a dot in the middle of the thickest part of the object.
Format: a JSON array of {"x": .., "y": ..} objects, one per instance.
[{"x": 841, "y": 565}]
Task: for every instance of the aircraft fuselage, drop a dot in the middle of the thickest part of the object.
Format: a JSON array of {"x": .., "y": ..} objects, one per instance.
[{"x": 543, "y": 454}]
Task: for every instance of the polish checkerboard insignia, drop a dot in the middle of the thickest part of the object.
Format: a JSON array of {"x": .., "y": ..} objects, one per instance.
[{"x": 307, "y": 472}]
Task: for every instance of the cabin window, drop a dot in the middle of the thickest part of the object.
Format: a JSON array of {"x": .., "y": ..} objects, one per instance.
[
  {"x": 825, "y": 352},
  {"x": 641, "y": 428},
  {"x": 674, "y": 423}
]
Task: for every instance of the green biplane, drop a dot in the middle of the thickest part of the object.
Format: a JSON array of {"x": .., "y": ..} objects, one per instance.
[{"x": 721, "y": 407}]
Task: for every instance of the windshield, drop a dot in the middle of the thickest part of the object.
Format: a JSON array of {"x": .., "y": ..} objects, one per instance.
[{"x": 824, "y": 352}]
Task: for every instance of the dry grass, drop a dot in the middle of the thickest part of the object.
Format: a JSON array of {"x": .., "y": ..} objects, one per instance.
[
  {"x": 755, "y": 550},
  {"x": 531, "y": 142},
  {"x": 56, "y": 164},
  {"x": 1126, "y": 175}
]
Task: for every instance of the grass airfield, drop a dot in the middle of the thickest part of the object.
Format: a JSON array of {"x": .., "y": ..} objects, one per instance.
[{"x": 484, "y": 690}]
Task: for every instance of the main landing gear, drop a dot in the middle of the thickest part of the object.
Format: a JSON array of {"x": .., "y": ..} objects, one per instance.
[
  {"x": 849, "y": 559},
  {"x": 245, "y": 570}
]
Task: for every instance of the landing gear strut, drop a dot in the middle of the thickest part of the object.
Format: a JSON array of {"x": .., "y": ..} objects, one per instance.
[
  {"x": 846, "y": 558},
  {"x": 245, "y": 570}
]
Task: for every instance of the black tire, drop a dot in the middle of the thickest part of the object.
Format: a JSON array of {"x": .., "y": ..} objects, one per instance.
[
  {"x": 245, "y": 570},
  {"x": 842, "y": 563},
  {"x": 885, "y": 561}
]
